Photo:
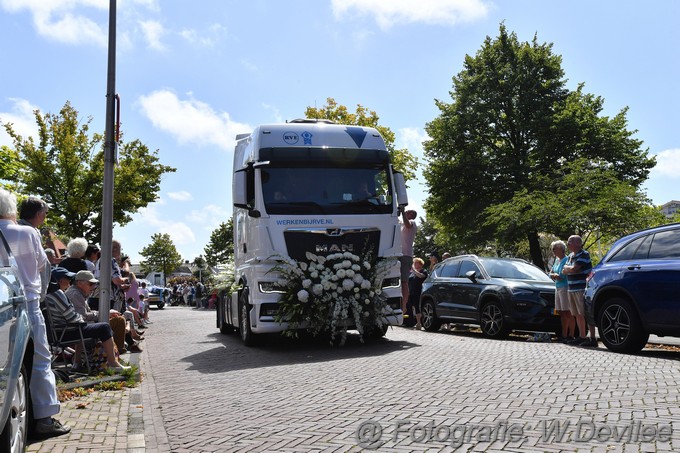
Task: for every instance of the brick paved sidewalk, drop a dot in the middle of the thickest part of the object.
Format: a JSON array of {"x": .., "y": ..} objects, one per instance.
[{"x": 103, "y": 421}]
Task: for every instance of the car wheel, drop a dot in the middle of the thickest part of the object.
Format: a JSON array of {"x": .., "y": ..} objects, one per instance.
[
  {"x": 428, "y": 316},
  {"x": 492, "y": 321},
  {"x": 247, "y": 335},
  {"x": 620, "y": 326},
  {"x": 13, "y": 437}
]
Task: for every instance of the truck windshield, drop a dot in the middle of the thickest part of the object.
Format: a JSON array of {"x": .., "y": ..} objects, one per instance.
[{"x": 323, "y": 190}]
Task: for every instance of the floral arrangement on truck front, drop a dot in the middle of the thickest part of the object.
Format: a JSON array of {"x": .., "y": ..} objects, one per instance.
[{"x": 332, "y": 293}]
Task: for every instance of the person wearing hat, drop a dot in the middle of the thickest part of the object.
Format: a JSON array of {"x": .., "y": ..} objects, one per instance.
[
  {"x": 434, "y": 259},
  {"x": 84, "y": 284},
  {"x": 63, "y": 312}
]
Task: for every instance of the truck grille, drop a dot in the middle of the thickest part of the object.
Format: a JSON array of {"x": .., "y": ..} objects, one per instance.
[{"x": 325, "y": 241}]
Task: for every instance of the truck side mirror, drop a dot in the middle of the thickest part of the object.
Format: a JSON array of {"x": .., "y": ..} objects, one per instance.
[
  {"x": 400, "y": 188},
  {"x": 239, "y": 189}
]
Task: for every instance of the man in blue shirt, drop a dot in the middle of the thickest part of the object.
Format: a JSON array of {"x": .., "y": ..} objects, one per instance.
[{"x": 577, "y": 269}]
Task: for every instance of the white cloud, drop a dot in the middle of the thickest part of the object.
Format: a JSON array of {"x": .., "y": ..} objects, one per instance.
[
  {"x": 58, "y": 20},
  {"x": 191, "y": 121},
  {"x": 412, "y": 138},
  {"x": 22, "y": 119},
  {"x": 390, "y": 12},
  {"x": 182, "y": 195},
  {"x": 215, "y": 31},
  {"x": 179, "y": 232},
  {"x": 668, "y": 163},
  {"x": 210, "y": 216},
  {"x": 153, "y": 31}
]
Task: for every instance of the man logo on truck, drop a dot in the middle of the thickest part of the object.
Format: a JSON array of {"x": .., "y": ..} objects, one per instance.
[{"x": 334, "y": 248}]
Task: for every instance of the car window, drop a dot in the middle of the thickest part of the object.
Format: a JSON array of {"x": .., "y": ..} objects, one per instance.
[
  {"x": 449, "y": 270},
  {"x": 637, "y": 249},
  {"x": 666, "y": 245},
  {"x": 467, "y": 266},
  {"x": 513, "y": 269}
]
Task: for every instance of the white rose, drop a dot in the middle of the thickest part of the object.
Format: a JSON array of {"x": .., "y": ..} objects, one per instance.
[
  {"x": 306, "y": 283},
  {"x": 367, "y": 265},
  {"x": 367, "y": 301},
  {"x": 314, "y": 274},
  {"x": 320, "y": 259},
  {"x": 341, "y": 273},
  {"x": 349, "y": 273},
  {"x": 303, "y": 296},
  {"x": 356, "y": 267},
  {"x": 367, "y": 314},
  {"x": 303, "y": 266},
  {"x": 358, "y": 279},
  {"x": 347, "y": 264},
  {"x": 365, "y": 284},
  {"x": 317, "y": 289},
  {"x": 347, "y": 284},
  {"x": 357, "y": 289}
]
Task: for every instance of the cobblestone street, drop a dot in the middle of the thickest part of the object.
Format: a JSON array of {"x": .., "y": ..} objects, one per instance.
[{"x": 415, "y": 391}]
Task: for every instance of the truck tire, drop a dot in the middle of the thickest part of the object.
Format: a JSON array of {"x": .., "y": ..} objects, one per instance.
[
  {"x": 225, "y": 328},
  {"x": 244, "y": 307}
]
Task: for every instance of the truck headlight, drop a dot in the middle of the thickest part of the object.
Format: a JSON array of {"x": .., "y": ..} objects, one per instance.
[{"x": 269, "y": 287}]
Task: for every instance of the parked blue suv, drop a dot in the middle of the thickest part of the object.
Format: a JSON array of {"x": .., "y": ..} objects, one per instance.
[{"x": 635, "y": 290}]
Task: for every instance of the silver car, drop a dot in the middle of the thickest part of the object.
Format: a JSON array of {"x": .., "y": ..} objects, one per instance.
[{"x": 16, "y": 346}]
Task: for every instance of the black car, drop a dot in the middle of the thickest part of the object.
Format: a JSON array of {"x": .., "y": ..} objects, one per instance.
[
  {"x": 498, "y": 294},
  {"x": 635, "y": 290}
]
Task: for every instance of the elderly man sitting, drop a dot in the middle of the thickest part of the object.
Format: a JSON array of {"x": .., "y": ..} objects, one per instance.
[{"x": 62, "y": 312}]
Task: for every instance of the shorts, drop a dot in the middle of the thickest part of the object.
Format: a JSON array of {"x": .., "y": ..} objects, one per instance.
[
  {"x": 576, "y": 305},
  {"x": 561, "y": 299},
  {"x": 406, "y": 263}
]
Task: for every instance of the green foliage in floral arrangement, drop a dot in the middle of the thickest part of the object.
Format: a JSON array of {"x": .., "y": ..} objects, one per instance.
[{"x": 332, "y": 293}]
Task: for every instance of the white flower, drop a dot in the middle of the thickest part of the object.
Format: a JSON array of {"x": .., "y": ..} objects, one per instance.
[
  {"x": 326, "y": 286},
  {"x": 365, "y": 284},
  {"x": 367, "y": 314},
  {"x": 356, "y": 267},
  {"x": 347, "y": 284},
  {"x": 357, "y": 289},
  {"x": 320, "y": 259},
  {"x": 367, "y": 265},
  {"x": 314, "y": 274},
  {"x": 306, "y": 283},
  {"x": 334, "y": 286},
  {"x": 371, "y": 294},
  {"x": 317, "y": 289},
  {"x": 378, "y": 291},
  {"x": 310, "y": 256},
  {"x": 349, "y": 273},
  {"x": 334, "y": 278},
  {"x": 303, "y": 296},
  {"x": 303, "y": 266},
  {"x": 347, "y": 264},
  {"x": 341, "y": 273},
  {"x": 357, "y": 296},
  {"x": 367, "y": 301}
]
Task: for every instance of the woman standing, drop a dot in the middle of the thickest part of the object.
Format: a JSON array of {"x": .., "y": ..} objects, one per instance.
[{"x": 568, "y": 322}]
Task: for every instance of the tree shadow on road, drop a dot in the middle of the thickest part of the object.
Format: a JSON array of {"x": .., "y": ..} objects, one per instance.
[{"x": 275, "y": 350}]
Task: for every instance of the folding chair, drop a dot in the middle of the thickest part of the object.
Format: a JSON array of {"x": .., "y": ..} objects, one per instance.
[{"x": 56, "y": 334}]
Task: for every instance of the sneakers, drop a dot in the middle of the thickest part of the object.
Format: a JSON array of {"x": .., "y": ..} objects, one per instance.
[
  {"x": 574, "y": 341},
  {"x": 588, "y": 343},
  {"x": 566, "y": 340},
  {"x": 49, "y": 427},
  {"x": 418, "y": 326}
]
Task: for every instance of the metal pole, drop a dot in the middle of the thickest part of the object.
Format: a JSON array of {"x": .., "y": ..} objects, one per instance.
[{"x": 110, "y": 146}]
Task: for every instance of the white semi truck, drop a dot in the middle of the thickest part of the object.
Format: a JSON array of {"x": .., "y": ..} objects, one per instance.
[{"x": 308, "y": 186}]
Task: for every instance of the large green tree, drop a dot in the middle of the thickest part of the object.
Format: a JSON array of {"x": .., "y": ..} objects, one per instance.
[
  {"x": 402, "y": 159},
  {"x": 161, "y": 255},
  {"x": 221, "y": 246},
  {"x": 65, "y": 168},
  {"x": 516, "y": 153}
]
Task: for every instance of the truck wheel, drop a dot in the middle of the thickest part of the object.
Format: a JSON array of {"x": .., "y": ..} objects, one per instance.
[
  {"x": 247, "y": 335},
  {"x": 225, "y": 328}
]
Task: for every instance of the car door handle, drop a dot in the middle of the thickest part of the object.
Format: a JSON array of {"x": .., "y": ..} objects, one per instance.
[{"x": 634, "y": 267}]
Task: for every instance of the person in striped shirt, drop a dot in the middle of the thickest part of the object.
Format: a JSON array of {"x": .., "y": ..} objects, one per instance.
[{"x": 577, "y": 269}]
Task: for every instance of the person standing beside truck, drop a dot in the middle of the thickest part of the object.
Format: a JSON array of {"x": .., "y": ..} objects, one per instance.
[{"x": 408, "y": 236}]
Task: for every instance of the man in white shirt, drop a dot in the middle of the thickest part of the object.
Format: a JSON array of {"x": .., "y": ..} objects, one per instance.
[{"x": 24, "y": 241}]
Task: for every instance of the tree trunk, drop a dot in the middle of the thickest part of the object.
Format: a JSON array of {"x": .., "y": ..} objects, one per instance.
[{"x": 535, "y": 249}]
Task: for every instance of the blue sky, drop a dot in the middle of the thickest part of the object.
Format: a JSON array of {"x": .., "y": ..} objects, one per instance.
[{"x": 192, "y": 75}]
